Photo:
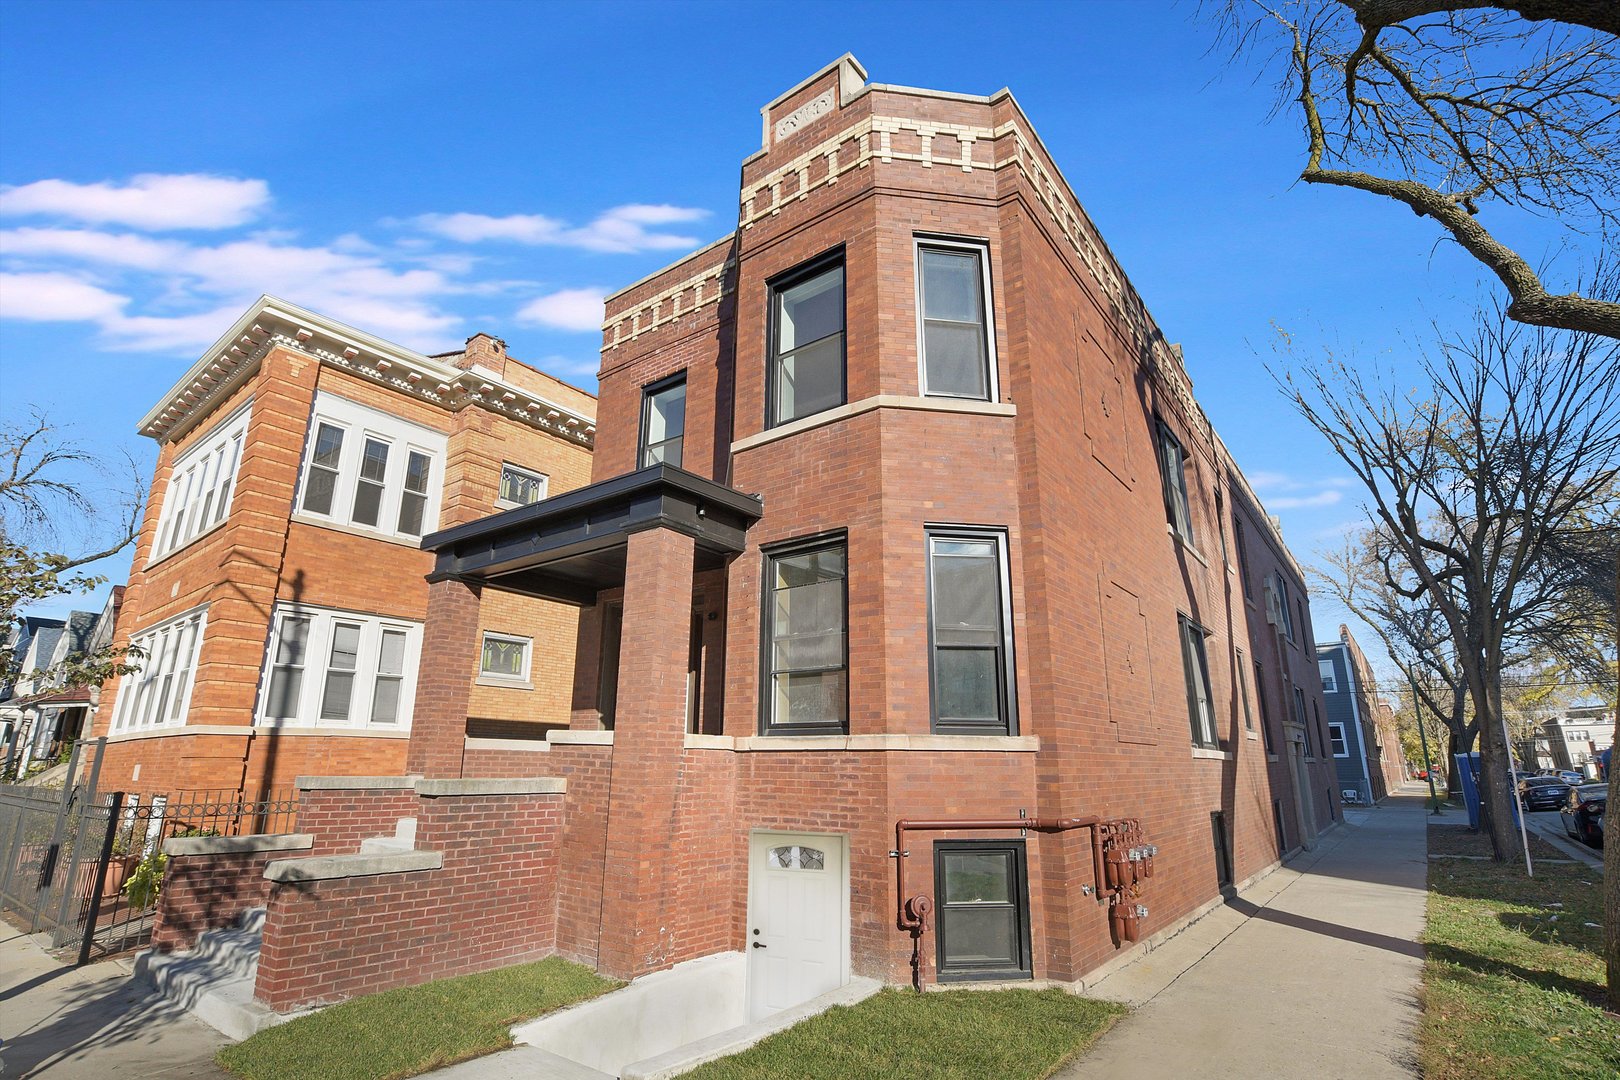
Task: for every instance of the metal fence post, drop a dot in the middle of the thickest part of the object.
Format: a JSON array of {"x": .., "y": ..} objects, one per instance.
[{"x": 114, "y": 808}]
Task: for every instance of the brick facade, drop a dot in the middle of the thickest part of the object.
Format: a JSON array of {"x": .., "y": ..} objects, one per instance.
[
  {"x": 264, "y": 553},
  {"x": 204, "y": 892}
]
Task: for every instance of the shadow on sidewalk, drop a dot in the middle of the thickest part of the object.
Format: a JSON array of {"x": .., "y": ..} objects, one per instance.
[{"x": 1318, "y": 926}]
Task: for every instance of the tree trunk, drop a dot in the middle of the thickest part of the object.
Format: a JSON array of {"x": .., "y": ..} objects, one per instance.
[
  {"x": 1496, "y": 800},
  {"x": 1611, "y": 861}
]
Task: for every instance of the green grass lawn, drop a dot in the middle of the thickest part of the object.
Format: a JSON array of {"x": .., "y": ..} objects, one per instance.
[
  {"x": 951, "y": 1035},
  {"x": 1510, "y": 991},
  {"x": 404, "y": 1032}
]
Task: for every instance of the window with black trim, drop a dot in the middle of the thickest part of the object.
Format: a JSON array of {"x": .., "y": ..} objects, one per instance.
[
  {"x": 970, "y": 632},
  {"x": 1265, "y": 714},
  {"x": 806, "y": 370},
  {"x": 983, "y": 910},
  {"x": 1195, "y": 666},
  {"x": 663, "y": 422},
  {"x": 1243, "y": 691},
  {"x": 806, "y": 639},
  {"x": 1173, "y": 473},
  {"x": 956, "y": 338},
  {"x": 1242, "y": 556}
]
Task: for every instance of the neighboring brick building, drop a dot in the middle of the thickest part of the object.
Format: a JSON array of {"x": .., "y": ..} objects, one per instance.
[
  {"x": 920, "y": 606},
  {"x": 1366, "y": 747},
  {"x": 277, "y": 589}
]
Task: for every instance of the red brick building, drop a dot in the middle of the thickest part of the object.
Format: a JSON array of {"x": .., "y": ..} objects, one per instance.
[
  {"x": 927, "y": 629},
  {"x": 277, "y": 592},
  {"x": 902, "y": 508}
]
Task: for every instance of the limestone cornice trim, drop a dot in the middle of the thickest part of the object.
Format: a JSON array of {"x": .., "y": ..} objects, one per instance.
[
  {"x": 866, "y": 405},
  {"x": 271, "y": 323}
]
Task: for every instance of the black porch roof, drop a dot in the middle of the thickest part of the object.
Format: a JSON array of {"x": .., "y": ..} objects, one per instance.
[{"x": 569, "y": 547}]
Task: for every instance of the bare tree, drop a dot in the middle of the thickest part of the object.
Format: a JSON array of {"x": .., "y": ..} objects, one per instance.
[
  {"x": 1445, "y": 106},
  {"x": 1514, "y": 435},
  {"x": 1412, "y": 631},
  {"x": 61, "y": 509}
]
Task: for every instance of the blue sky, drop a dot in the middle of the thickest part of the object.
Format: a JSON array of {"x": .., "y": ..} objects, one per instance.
[{"x": 427, "y": 170}]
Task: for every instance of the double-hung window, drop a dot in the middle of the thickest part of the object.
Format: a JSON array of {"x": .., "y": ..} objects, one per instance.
[
  {"x": 1265, "y": 713},
  {"x": 159, "y": 693},
  {"x": 1173, "y": 473},
  {"x": 1301, "y": 719},
  {"x": 1200, "y": 703},
  {"x": 520, "y": 487},
  {"x": 970, "y": 632},
  {"x": 806, "y": 373},
  {"x": 1242, "y": 546},
  {"x": 806, "y": 644},
  {"x": 1336, "y": 734},
  {"x": 1238, "y": 675},
  {"x": 370, "y": 471},
  {"x": 1330, "y": 681},
  {"x": 1285, "y": 614},
  {"x": 329, "y": 668},
  {"x": 199, "y": 493},
  {"x": 955, "y": 336},
  {"x": 983, "y": 910},
  {"x": 663, "y": 422}
]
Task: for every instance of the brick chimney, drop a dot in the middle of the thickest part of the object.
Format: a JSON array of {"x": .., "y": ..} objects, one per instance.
[{"x": 484, "y": 350}]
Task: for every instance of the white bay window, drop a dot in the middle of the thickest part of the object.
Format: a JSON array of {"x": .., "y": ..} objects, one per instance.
[
  {"x": 366, "y": 470},
  {"x": 198, "y": 496},
  {"x": 159, "y": 693},
  {"x": 331, "y": 668}
]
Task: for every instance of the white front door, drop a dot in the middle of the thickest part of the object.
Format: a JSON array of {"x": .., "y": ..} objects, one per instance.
[{"x": 798, "y": 920}]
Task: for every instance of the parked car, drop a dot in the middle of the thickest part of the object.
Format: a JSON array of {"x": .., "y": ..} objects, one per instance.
[
  {"x": 1571, "y": 777},
  {"x": 1542, "y": 792},
  {"x": 1582, "y": 813}
]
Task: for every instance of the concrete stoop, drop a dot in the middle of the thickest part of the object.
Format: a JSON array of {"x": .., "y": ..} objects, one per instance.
[{"x": 214, "y": 979}]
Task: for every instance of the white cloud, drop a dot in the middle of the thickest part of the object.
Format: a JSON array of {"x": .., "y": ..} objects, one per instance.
[
  {"x": 1299, "y": 502},
  {"x": 53, "y": 297},
  {"x": 622, "y": 229},
  {"x": 566, "y": 309},
  {"x": 150, "y": 201}
]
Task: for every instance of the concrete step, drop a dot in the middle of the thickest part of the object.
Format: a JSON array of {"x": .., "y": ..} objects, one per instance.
[
  {"x": 385, "y": 845},
  {"x": 214, "y": 980}
]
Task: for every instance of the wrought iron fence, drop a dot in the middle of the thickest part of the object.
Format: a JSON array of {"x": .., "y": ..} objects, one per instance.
[{"x": 85, "y": 865}]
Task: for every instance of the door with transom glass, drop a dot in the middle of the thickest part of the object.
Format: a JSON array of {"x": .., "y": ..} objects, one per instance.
[{"x": 798, "y": 920}]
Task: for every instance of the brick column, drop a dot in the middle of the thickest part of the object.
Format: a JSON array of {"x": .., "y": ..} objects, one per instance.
[
  {"x": 649, "y": 732},
  {"x": 444, "y": 679}
]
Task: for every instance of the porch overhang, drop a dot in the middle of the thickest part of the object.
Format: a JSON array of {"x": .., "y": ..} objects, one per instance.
[{"x": 571, "y": 547}]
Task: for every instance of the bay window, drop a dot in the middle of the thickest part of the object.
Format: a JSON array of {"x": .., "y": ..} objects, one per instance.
[
  {"x": 970, "y": 635},
  {"x": 807, "y": 654},
  {"x": 956, "y": 339},
  {"x": 330, "y": 668},
  {"x": 806, "y": 368},
  {"x": 370, "y": 471},
  {"x": 198, "y": 496},
  {"x": 159, "y": 692}
]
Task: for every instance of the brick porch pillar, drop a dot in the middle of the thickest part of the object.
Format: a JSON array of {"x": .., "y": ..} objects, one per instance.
[
  {"x": 649, "y": 733},
  {"x": 444, "y": 679}
]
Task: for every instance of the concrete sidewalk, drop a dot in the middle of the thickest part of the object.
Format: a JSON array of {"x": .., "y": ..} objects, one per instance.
[
  {"x": 91, "y": 1023},
  {"x": 1313, "y": 973}
]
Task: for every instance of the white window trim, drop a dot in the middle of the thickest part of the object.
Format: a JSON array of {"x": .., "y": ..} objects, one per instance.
[
  {"x": 1330, "y": 676},
  {"x": 533, "y": 474},
  {"x": 982, "y": 248},
  {"x": 232, "y": 429},
  {"x": 1343, "y": 739},
  {"x": 317, "y": 659},
  {"x": 358, "y": 423},
  {"x": 129, "y": 686},
  {"x": 495, "y": 678}
]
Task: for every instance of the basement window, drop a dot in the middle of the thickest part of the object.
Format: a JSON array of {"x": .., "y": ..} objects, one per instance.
[{"x": 983, "y": 904}]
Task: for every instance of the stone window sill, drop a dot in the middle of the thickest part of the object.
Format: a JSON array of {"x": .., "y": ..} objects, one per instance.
[{"x": 1207, "y": 754}]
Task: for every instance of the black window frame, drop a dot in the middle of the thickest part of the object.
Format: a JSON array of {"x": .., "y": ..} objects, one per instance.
[
  {"x": 767, "y": 696},
  {"x": 1241, "y": 543},
  {"x": 1172, "y": 487},
  {"x": 1192, "y": 636},
  {"x": 1007, "y": 681},
  {"x": 774, "y": 287},
  {"x": 1241, "y": 676},
  {"x": 1265, "y": 714},
  {"x": 971, "y": 972},
  {"x": 980, "y": 249},
  {"x": 648, "y": 392}
]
